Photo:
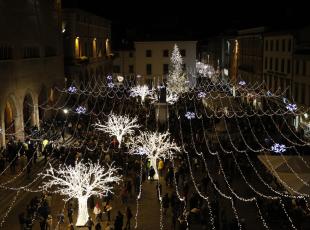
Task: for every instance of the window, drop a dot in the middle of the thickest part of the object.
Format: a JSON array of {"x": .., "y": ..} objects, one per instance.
[
  {"x": 282, "y": 65},
  {"x": 297, "y": 67},
  {"x": 289, "y": 46},
  {"x": 31, "y": 52},
  {"x": 116, "y": 69},
  {"x": 148, "y": 69},
  {"x": 148, "y": 53},
  {"x": 277, "y": 45},
  {"x": 165, "y": 53},
  {"x": 283, "y": 45},
  {"x": 131, "y": 69},
  {"x": 266, "y": 63},
  {"x": 183, "y": 52},
  {"x": 50, "y": 51},
  {"x": 276, "y": 64},
  {"x": 288, "y": 66},
  {"x": 303, "y": 94},
  {"x": 130, "y": 54},
  {"x": 165, "y": 68},
  {"x": 270, "y": 64},
  {"x": 266, "y": 45},
  {"x": 296, "y": 92},
  {"x": 5, "y": 52},
  {"x": 271, "y": 45},
  {"x": 304, "y": 68}
]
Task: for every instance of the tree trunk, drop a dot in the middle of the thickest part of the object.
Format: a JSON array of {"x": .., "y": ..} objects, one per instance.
[
  {"x": 154, "y": 164},
  {"x": 82, "y": 212}
]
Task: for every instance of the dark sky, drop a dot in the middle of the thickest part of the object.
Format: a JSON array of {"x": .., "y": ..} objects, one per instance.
[{"x": 140, "y": 19}]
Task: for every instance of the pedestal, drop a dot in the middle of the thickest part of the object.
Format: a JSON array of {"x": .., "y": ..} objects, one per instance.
[{"x": 162, "y": 113}]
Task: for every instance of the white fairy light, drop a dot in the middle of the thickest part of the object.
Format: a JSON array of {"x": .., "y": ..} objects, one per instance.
[
  {"x": 81, "y": 181},
  {"x": 242, "y": 83},
  {"x": 291, "y": 107},
  {"x": 118, "y": 126},
  {"x": 154, "y": 146},
  {"x": 285, "y": 100},
  {"x": 80, "y": 109},
  {"x": 190, "y": 115},
  {"x": 278, "y": 148},
  {"x": 269, "y": 94},
  {"x": 72, "y": 89},
  {"x": 202, "y": 94},
  {"x": 110, "y": 85},
  {"x": 171, "y": 98},
  {"x": 140, "y": 91}
]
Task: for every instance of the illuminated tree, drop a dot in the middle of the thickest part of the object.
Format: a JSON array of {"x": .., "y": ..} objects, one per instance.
[
  {"x": 154, "y": 146},
  {"x": 177, "y": 82},
  {"x": 118, "y": 126},
  {"x": 81, "y": 181},
  {"x": 141, "y": 91}
]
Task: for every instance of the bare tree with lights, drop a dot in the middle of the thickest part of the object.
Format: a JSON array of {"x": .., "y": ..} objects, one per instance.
[
  {"x": 177, "y": 81},
  {"x": 118, "y": 126},
  {"x": 140, "y": 91},
  {"x": 81, "y": 181},
  {"x": 154, "y": 146}
]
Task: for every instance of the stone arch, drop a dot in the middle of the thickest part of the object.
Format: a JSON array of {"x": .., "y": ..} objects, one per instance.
[
  {"x": 28, "y": 111},
  {"x": 10, "y": 116}
]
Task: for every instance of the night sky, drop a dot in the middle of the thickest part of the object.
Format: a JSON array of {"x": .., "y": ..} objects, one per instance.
[{"x": 138, "y": 20}]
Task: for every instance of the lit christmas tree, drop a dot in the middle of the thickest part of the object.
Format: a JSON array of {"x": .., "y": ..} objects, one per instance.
[
  {"x": 118, "y": 126},
  {"x": 154, "y": 146},
  {"x": 81, "y": 181},
  {"x": 177, "y": 82}
]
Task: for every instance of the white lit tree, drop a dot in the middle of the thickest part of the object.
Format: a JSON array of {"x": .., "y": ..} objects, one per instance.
[
  {"x": 118, "y": 126},
  {"x": 140, "y": 91},
  {"x": 177, "y": 81},
  {"x": 81, "y": 181},
  {"x": 154, "y": 146}
]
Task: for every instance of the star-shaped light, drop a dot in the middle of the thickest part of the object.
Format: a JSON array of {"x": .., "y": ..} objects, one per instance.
[
  {"x": 190, "y": 115},
  {"x": 80, "y": 110},
  {"x": 278, "y": 148},
  {"x": 291, "y": 107},
  {"x": 242, "y": 83},
  {"x": 109, "y": 77},
  {"x": 72, "y": 89},
  {"x": 202, "y": 94},
  {"x": 110, "y": 85}
]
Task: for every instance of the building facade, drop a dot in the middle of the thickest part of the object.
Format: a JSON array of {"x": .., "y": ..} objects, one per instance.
[
  {"x": 31, "y": 63},
  {"x": 278, "y": 61},
  {"x": 250, "y": 55},
  {"x": 87, "y": 48}
]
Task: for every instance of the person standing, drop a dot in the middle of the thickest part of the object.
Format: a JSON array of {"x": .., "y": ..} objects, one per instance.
[
  {"x": 128, "y": 217},
  {"x": 89, "y": 223}
]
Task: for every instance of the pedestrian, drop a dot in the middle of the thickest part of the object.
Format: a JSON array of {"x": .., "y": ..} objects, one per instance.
[
  {"x": 98, "y": 226},
  {"x": 70, "y": 213},
  {"x": 89, "y": 223},
  {"x": 160, "y": 167},
  {"x": 165, "y": 203},
  {"x": 119, "y": 220},
  {"x": 128, "y": 217},
  {"x": 152, "y": 173},
  {"x": 107, "y": 208},
  {"x": 97, "y": 212}
]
